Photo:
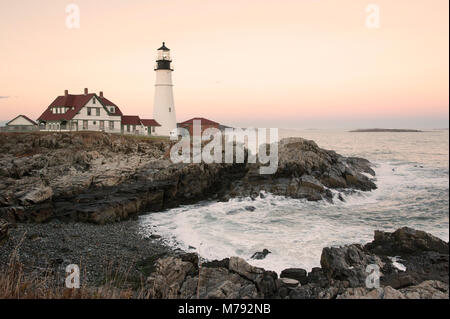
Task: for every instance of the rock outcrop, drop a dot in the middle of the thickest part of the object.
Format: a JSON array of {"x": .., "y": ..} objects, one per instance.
[
  {"x": 342, "y": 275},
  {"x": 101, "y": 178},
  {"x": 307, "y": 171},
  {"x": 98, "y": 177}
]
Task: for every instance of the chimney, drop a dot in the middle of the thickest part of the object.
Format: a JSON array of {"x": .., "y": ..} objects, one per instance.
[
  {"x": 85, "y": 91},
  {"x": 101, "y": 93},
  {"x": 66, "y": 92}
]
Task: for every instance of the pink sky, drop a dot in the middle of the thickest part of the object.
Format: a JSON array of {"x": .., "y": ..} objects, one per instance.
[{"x": 304, "y": 63}]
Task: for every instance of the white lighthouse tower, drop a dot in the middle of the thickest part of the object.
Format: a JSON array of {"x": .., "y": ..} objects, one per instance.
[{"x": 163, "y": 107}]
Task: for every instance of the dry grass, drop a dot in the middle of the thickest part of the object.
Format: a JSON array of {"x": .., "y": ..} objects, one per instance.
[{"x": 16, "y": 283}]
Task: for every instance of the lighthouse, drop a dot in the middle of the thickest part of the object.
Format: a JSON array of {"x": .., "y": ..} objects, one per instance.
[{"x": 163, "y": 107}]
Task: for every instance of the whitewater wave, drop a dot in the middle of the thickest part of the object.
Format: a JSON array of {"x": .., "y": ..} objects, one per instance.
[{"x": 295, "y": 230}]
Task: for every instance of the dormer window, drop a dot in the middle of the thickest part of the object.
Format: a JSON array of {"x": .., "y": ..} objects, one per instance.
[{"x": 112, "y": 109}]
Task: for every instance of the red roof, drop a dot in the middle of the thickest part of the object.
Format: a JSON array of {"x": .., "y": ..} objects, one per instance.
[
  {"x": 77, "y": 101},
  {"x": 149, "y": 122},
  {"x": 131, "y": 120},
  {"x": 25, "y": 117},
  {"x": 107, "y": 102},
  {"x": 202, "y": 121}
]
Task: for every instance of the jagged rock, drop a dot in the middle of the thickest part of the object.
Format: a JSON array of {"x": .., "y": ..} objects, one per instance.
[
  {"x": 424, "y": 256},
  {"x": 267, "y": 284},
  {"x": 99, "y": 178},
  {"x": 406, "y": 241},
  {"x": 430, "y": 289},
  {"x": 307, "y": 181},
  {"x": 260, "y": 254},
  {"x": 318, "y": 277},
  {"x": 343, "y": 275},
  {"x": 224, "y": 263},
  {"x": 304, "y": 169},
  {"x": 37, "y": 195},
  {"x": 295, "y": 273},
  {"x": 289, "y": 282},
  {"x": 168, "y": 277},
  {"x": 240, "y": 266},
  {"x": 348, "y": 263},
  {"x": 220, "y": 283}
]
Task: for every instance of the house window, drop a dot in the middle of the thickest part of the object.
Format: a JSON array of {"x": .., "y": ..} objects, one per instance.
[
  {"x": 89, "y": 111},
  {"x": 93, "y": 100},
  {"x": 85, "y": 125},
  {"x": 112, "y": 110},
  {"x": 97, "y": 110},
  {"x": 128, "y": 128},
  {"x": 111, "y": 125},
  {"x": 95, "y": 123},
  {"x": 153, "y": 129}
]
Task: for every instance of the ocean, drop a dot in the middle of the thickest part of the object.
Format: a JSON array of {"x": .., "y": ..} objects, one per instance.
[{"x": 412, "y": 175}]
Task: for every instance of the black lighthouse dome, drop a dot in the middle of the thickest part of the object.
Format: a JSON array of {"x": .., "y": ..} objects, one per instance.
[
  {"x": 164, "y": 48},
  {"x": 163, "y": 60}
]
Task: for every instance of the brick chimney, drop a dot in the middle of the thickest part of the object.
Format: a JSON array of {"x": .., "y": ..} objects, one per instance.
[
  {"x": 85, "y": 91},
  {"x": 66, "y": 92},
  {"x": 101, "y": 93}
]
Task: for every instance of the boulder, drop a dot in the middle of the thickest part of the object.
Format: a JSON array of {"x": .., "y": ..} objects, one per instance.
[
  {"x": 406, "y": 241},
  {"x": 288, "y": 282},
  {"x": 168, "y": 277},
  {"x": 318, "y": 277},
  {"x": 348, "y": 263},
  {"x": 295, "y": 273},
  {"x": 241, "y": 267}
]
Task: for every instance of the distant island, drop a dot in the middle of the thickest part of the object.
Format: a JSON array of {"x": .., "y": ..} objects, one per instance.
[{"x": 384, "y": 130}]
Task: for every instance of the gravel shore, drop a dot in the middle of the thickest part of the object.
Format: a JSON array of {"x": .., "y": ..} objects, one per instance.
[{"x": 99, "y": 250}]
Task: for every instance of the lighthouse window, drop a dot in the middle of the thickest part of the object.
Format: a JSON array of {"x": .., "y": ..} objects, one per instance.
[{"x": 170, "y": 109}]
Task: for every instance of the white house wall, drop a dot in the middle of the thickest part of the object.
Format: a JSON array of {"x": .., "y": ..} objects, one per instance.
[
  {"x": 94, "y": 118},
  {"x": 20, "y": 121}
]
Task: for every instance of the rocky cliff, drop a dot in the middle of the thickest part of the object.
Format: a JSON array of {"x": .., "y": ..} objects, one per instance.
[{"x": 100, "y": 178}]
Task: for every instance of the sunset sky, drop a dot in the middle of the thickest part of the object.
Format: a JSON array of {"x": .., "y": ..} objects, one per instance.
[{"x": 292, "y": 64}]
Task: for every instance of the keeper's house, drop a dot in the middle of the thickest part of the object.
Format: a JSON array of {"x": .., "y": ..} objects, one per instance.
[
  {"x": 20, "y": 123},
  {"x": 91, "y": 112}
]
